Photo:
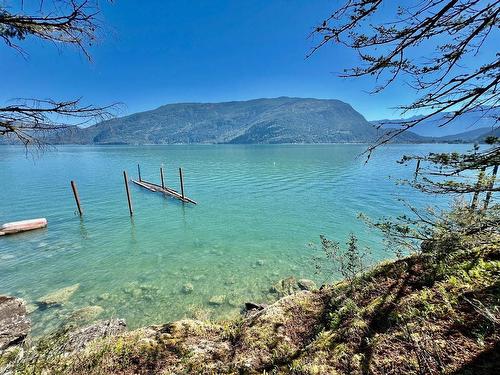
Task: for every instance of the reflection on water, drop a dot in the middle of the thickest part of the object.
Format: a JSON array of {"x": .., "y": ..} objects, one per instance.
[{"x": 259, "y": 208}]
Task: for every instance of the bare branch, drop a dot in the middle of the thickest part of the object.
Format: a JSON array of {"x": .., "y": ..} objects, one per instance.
[{"x": 72, "y": 22}]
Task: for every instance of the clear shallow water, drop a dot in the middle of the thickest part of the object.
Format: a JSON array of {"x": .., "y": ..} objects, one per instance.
[{"x": 259, "y": 209}]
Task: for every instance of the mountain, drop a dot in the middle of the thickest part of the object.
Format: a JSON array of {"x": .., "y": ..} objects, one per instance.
[
  {"x": 464, "y": 124},
  {"x": 470, "y": 136},
  {"x": 276, "y": 120}
]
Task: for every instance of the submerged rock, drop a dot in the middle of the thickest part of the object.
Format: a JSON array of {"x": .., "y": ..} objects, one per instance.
[
  {"x": 86, "y": 313},
  {"x": 198, "y": 277},
  {"x": 31, "y": 308},
  {"x": 58, "y": 297},
  {"x": 133, "y": 289},
  {"x": 306, "y": 284},
  {"x": 187, "y": 288},
  {"x": 14, "y": 322},
  {"x": 104, "y": 297},
  {"x": 217, "y": 300},
  {"x": 285, "y": 287}
]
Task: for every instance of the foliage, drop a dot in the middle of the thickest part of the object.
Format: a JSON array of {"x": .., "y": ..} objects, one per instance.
[
  {"x": 347, "y": 261},
  {"x": 389, "y": 40},
  {"x": 64, "y": 23},
  {"x": 458, "y": 173},
  {"x": 441, "y": 235}
]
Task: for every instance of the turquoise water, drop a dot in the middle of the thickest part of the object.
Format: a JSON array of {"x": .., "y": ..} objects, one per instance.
[{"x": 259, "y": 209}]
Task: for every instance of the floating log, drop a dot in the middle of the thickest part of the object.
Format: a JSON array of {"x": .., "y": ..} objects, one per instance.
[
  {"x": 142, "y": 184},
  {"x": 166, "y": 190},
  {"x": 22, "y": 226}
]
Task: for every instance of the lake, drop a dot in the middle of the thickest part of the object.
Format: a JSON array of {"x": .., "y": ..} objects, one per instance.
[{"x": 259, "y": 209}]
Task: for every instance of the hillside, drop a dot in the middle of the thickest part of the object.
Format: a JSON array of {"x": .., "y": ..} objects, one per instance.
[
  {"x": 467, "y": 127},
  {"x": 275, "y": 120},
  {"x": 278, "y": 120}
]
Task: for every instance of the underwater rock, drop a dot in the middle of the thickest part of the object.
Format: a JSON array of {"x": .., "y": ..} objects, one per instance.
[
  {"x": 217, "y": 300},
  {"x": 133, "y": 289},
  {"x": 58, "y": 297},
  {"x": 187, "y": 288},
  {"x": 216, "y": 252},
  {"x": 198, "y": 277},
  {"x": 14, "y": 322},
  {"x": 285, "y": 287},
  {"x": 31, "y": 308},
  {"x": 306, "y": 284},
  {"x": 148, "y": 287},
  {"x": 104, "y": 297},
  {"x": 86, "y": 313}
]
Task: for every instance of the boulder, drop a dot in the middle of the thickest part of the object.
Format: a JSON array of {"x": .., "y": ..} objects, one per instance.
[
  {"x": 285, "y": 287},
  {"x": 306, "y": 284},
  {"x": 79, "y": 339},
  {"x": 252, "y": 308},
  {"x": 58, "y": 297},
  {"x": 14, "y": 322}
]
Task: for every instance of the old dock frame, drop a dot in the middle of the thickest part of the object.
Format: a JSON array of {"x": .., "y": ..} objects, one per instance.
[{"x": 163, "y": 188}]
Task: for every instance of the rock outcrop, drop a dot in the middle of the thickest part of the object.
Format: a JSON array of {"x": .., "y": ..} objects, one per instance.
[
  {"x": 14, "y": 322},
  {"x": 79, "y": 338}
]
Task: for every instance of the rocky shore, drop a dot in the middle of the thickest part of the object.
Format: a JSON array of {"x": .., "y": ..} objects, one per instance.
[{"x": 398, "y": 318}]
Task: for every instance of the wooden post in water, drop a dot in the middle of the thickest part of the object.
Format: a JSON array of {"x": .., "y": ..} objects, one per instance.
[
  {"x": 139, "y": 172},
  {"x": 182, "y": 183},
  {"x": 129, "y": 199},
  {"x": 77, "y": 197},
  {"x": 417, "y": 169},
  {"x": 161, "y": 175}
]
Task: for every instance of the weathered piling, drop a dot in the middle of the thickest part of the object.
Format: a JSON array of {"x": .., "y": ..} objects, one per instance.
[
  {"x": 139, "y": 172},
  {"x": 417, "y": 169},
  {"x": 77, "y": 197},
  {"x": 129, "y": 198},
  {"x": 161, "y": 175},
  {"x": 182, "y": 182}
]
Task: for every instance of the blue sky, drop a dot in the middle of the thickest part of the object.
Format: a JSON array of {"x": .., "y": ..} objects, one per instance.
[{"x": 152, "y": 53}]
